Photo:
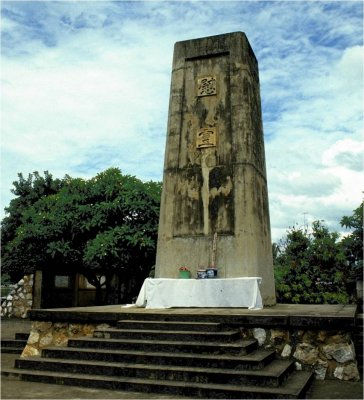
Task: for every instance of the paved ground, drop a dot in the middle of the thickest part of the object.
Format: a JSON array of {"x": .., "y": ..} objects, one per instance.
[{"x": 14, "y": 389}]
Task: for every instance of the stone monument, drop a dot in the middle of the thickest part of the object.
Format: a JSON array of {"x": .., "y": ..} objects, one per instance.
[{"x": 214, "y": 183}]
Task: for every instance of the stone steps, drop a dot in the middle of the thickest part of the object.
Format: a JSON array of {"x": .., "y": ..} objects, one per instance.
[
  {"x": 173, "y": 357},
  {"x": 21, "y": 336},
  {"x": 5, "y": 343},
  {"x": 239, "y": 346},
  {"x": 11, "y": 350},
  {"x": 175, "y": 335},
  {"x": 170, "y": 325},
  {"x": 294, "y": 387},
  {"x": 254, "y": 360},
  {"x": 273, "y": 375},
  {"x": 14, "y": 346}
]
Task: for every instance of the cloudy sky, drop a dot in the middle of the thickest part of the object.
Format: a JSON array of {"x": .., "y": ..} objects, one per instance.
[{"x": 85, "y": 86}]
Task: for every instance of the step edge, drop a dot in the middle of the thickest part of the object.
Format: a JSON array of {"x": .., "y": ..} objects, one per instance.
[
  {"x": 192, "y": 323},
  {"x": 157, "y": 367},
  {"x": 196, "y": 385},
  {"x": 244, "y": 357},
  {"x": 145, "y": 331},
  {"x": 237, "y": 343}
]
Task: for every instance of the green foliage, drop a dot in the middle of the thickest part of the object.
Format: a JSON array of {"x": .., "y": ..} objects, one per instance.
[
  {"x": 102, "y": 226},
  {"x": 5, "y": 279},
  {"x": 5, "y": 285},
  {"x": 353, "y": 243},
  {"x": 311, "y": 267},
  {"x": 28, "y": 191}
]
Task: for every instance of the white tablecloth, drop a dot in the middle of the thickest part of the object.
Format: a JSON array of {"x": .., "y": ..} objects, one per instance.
[{"x": 230, "y": 292}]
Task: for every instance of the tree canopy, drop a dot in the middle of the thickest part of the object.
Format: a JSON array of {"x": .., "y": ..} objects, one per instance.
[
  {"x": 316, "y": 265},
  {"x": 353, "y": 243},
  {"x": 105, "y": 225},
  {"x": 27, "y": 192}
]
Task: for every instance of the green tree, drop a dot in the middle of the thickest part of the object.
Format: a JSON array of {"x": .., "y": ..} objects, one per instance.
[
  {"x": 106, "y": 226},
  {"x": 353, "y": 243},
  {"x": 311, "y": 267},
  {"x": 27, "y": 192},
  {"x": 5, "y": 280}
]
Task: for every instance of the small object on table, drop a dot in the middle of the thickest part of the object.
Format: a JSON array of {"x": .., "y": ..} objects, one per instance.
[
  {"x": 184, "y": 273},
  {"x": 201, "y": 274},
  {"x": 211, "y": 272}
]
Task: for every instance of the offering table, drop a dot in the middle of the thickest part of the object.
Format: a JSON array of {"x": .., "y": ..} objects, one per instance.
[{"x": 229, "y": 292}]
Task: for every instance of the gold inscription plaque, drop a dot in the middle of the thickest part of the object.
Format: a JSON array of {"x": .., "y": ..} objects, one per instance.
[
  {"x": 206, "y": 86},
  {"x": 206, "y": 137}
]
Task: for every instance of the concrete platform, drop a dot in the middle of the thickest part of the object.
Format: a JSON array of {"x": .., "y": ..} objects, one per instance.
[
  {"x": 325, "y": 316},
  {"x": 15, "y": 389}
]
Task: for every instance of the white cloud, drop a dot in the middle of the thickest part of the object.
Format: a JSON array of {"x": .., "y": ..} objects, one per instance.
[
  {"x": 344, "y": 152},
  {"x": 317, "y": 138}
]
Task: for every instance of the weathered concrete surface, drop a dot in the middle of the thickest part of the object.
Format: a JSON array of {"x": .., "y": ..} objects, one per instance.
[
  {"x": 309, "y": 316},
  {"x": 15, "y": 389},
  {"x": 214, "y": 173}
]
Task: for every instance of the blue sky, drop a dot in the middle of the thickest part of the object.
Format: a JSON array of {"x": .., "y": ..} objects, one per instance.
[{"x": 85, "y": 86}]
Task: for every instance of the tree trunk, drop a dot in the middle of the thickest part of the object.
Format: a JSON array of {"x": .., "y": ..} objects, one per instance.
[{"x": 98, "y": 295}]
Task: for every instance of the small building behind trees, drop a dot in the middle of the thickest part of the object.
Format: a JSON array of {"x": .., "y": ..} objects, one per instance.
[{"x": 58, "y": 290}]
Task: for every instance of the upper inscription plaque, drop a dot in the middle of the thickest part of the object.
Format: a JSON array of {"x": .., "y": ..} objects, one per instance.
[{"x": 206, "y": 86}]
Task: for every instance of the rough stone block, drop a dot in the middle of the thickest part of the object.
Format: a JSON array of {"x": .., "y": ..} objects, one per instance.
[
  {"x": 30, "y": 351},
  {"x": 42, "y": 326},
  {"x": 278, "y": 336},
  {"x": 260, "y": 335},
  {"x": 347, "y": 372},
  {"x": 33, "y": 337},
  {"x": 60, "y": 326},
  {"x": 341, "y": 352},
  {"x": 88, "y": 329},
  {"x": 287, "y": 350},
  {"x": 46, "y": 340},
  {"x": 60, "y": 338},
  {"x": 306, "y": 353},
  {"x": 321, "y": 369},
  {"x": 74, "y": 329}
]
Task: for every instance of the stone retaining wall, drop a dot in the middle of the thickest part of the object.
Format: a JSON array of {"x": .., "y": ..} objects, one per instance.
[
  {"x": 330, "y": 354},
  {"x": 46, "y": 334},
  {"x": 20, "y": 299}
]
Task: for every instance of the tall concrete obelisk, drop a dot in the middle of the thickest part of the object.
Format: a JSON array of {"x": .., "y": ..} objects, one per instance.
[{"x": 214, "y": 182}]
